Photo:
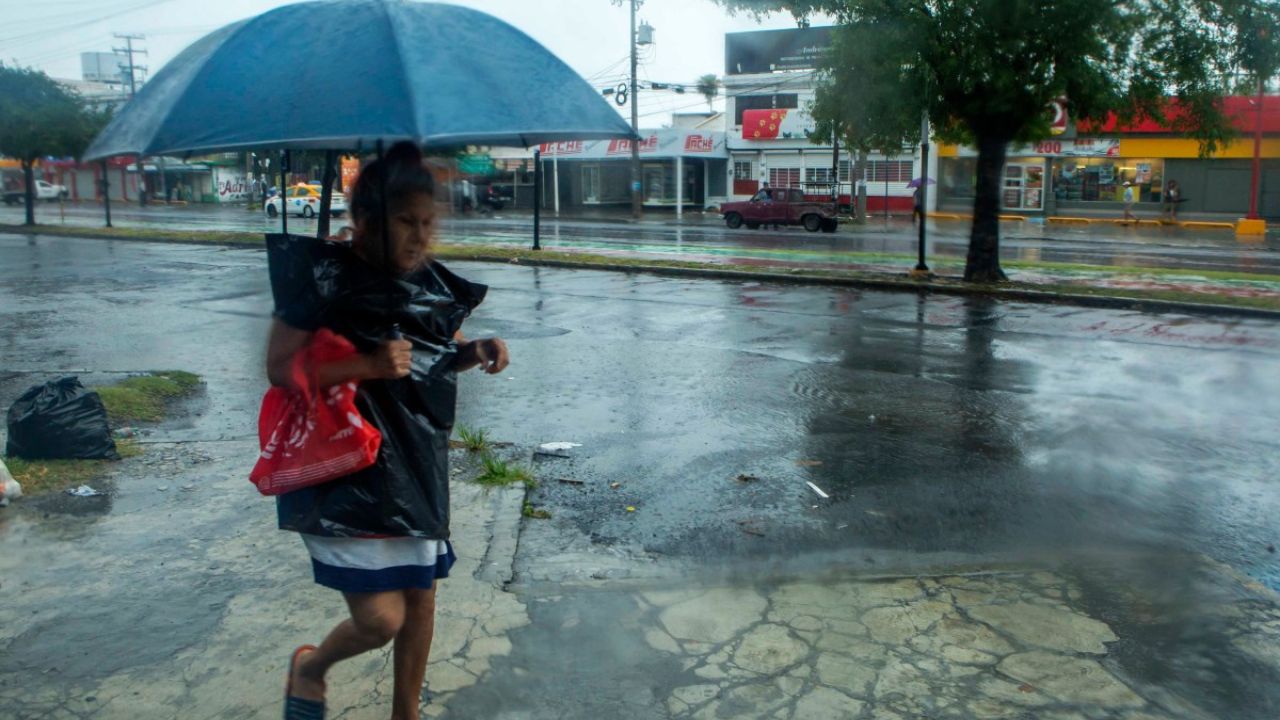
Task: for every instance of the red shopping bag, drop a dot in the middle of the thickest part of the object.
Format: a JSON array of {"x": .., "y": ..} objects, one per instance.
[{"x": 311, "y": 435}]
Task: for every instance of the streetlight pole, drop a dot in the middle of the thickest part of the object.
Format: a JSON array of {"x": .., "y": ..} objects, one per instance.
[
  {"x": 921, "y": 269},
  {"x": 635, "y": 123}
]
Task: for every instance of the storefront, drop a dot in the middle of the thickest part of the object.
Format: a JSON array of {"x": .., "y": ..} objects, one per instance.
[
  {"x": 1087, "y": 174},
  {"x": 678, "y": 168}
]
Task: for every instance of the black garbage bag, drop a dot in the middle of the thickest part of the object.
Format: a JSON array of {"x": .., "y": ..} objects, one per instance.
[
  {"x": 318, "y": 283},
  {"x": 60, "y": 420}
]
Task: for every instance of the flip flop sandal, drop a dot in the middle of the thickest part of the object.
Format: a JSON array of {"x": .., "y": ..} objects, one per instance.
[{"x": 296, "y": 708}]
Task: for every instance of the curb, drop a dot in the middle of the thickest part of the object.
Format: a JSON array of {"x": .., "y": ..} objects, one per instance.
[
  {"x": 891, "y": 283},
  {"x": 948, "y": 286}
]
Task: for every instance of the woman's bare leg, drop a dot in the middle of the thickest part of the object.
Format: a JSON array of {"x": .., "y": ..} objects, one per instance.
[
  {"x": 376, "y": 619},
  {"x": 413, "y": 646}
]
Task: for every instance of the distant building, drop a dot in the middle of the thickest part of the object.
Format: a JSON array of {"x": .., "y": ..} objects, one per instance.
[
  {"x": 770, "y": 81},
  {"x": 97, "y": 95},
  {"x": 101, "y": 67}
]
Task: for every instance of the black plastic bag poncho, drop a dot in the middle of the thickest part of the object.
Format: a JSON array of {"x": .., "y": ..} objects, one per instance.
[{"x": 318, "y": 284}]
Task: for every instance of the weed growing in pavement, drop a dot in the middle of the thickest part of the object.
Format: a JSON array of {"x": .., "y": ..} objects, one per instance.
[
  {"x": 499, "y": 472},
  {"x": 473, "y": 440},
  {"x": 534, "y": 513}
]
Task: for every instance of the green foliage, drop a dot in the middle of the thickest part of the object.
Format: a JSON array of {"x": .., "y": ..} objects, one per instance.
[
  {"x": 473, "y": 440},
  {"x": 534, "y": 513},
  {"x": 39, "y": 117},
  {"x": 709, "y": 87},
  {"x": 501, "y": 473}
]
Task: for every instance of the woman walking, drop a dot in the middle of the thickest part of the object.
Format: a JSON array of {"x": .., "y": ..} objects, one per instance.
[{"x": 381, "y": 535}]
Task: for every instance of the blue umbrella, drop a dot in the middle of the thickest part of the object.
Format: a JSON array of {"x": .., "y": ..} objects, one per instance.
[{"x": 344, "y": 74}]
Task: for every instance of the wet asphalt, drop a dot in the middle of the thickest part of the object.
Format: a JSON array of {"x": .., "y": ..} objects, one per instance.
[
  {"x": 939, "y": 428},
  {"x": 946, "y": 433},
  {"x": 881, "y": 241}
]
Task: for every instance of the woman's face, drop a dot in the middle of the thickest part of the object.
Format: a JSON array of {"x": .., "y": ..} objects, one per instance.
[{"x": 411, "y": 232}]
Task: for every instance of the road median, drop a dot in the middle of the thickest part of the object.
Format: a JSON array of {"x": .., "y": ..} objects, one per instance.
[{"x": 1147, "y": 289}]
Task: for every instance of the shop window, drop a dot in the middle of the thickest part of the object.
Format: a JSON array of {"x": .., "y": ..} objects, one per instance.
[
  {"x": 1102, "y": 179},
  {"x": 894, "y": 171},
  {"x": 784, "y": 177},
  {"x": 817, "y": 176},
  {"x": 742, "y": 170}
]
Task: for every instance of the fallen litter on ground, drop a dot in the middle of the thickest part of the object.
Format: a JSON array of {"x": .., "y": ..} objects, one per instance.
[
  {"x": 818, "y": 490},
  {"x": 84, "y": 491},
  {"x": 808, "y": 463},
  {"x": 569, "y": 481},
  {"x": 747, "y": 478},
  {"x": 556, "y": 449}
]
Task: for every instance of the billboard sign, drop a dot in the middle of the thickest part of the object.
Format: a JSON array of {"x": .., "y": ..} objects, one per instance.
[{"x": 767, "y": 51}]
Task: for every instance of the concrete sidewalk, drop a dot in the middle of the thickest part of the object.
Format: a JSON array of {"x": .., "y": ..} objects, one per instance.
[{"x": 991, "y": 641}]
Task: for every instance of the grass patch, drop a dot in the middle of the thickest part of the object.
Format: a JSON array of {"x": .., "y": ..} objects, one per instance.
[
  {"x": 473, "y": 440},
  {"x": 199, "y": 237},
  {"x": 534, "y": 513},
  {"x": 42, "y": 476},
  {"x": 868, "y": 277},
  {"x": 500, "y": 473},
  {"x": 143, "y": 398}
]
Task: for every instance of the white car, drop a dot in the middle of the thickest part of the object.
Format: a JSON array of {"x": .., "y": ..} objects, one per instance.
[
  {"x": 304, "y": 200},
  {"x": 44, "y": 191}
]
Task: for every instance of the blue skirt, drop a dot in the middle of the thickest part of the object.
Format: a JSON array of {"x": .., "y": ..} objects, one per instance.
[{"x": 368, "y": 565}]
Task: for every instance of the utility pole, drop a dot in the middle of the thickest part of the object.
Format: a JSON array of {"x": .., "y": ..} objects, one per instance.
[
  {"x": 131, "y": 68},
  {"x": 635, "y": 123},
  {"x": 128, "y": 50}
]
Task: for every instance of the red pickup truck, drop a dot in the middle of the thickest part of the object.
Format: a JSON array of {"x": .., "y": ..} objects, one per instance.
[{"x": 780, "y": 206}]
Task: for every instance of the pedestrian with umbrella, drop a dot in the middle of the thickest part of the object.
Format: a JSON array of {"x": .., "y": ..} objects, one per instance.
[
  {"x": 393, "y": 548},
  {"x": 403, "y": 75}
]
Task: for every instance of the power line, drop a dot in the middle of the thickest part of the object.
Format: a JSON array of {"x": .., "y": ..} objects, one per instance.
[{"x": 26, "y": 38}]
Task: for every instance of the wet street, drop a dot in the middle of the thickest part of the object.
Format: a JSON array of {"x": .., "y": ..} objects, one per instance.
[
  {"x": 881, "y": 242},
  {"x": 732, "y": 435}
]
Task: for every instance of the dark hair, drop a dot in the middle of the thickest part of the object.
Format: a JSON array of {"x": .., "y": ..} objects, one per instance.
[{"x": 398, "y": 175}]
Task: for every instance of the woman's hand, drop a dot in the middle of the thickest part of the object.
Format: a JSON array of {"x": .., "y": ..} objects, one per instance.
[
  {"x": 488, "y": 353},
  {"x": 391, "y": 360}
]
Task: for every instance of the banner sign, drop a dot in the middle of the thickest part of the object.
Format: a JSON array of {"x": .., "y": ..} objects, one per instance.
[
  {"x": 668, "y": 142},
  {"x": 1079, "y": 147},
  {"x": 776, "y": 124}
]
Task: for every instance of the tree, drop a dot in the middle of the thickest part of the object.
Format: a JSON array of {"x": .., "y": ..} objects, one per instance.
[
  {"x": 984, "y": 72},
  {"x": 709, "y": 88},
  {"x": 40, "y": 118}
]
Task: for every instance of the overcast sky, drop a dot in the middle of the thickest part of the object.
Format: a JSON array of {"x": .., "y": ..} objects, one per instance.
[{"x": 590, "y": 35}]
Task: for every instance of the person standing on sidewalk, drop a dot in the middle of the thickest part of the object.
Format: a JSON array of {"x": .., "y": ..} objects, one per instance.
[
  {"x": 1172, "y": 195},
  {"x": 380, "y": 536},
  {"x": 1128, "y": 202}
]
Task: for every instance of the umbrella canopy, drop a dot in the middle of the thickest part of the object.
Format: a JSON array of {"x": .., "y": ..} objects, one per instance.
[
  {"x": 915, "y": 182},
  {"x": 342, "y": 74}
]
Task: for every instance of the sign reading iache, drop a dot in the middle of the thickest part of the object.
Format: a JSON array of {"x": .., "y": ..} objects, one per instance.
[{"x": 668, "y": 142}]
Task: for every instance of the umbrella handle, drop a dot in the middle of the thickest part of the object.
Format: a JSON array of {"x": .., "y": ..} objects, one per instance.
[{"x": 394, "y": 333}]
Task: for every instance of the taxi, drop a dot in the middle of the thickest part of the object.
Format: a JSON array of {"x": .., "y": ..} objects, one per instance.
[{"x": 304, "y": 200}]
